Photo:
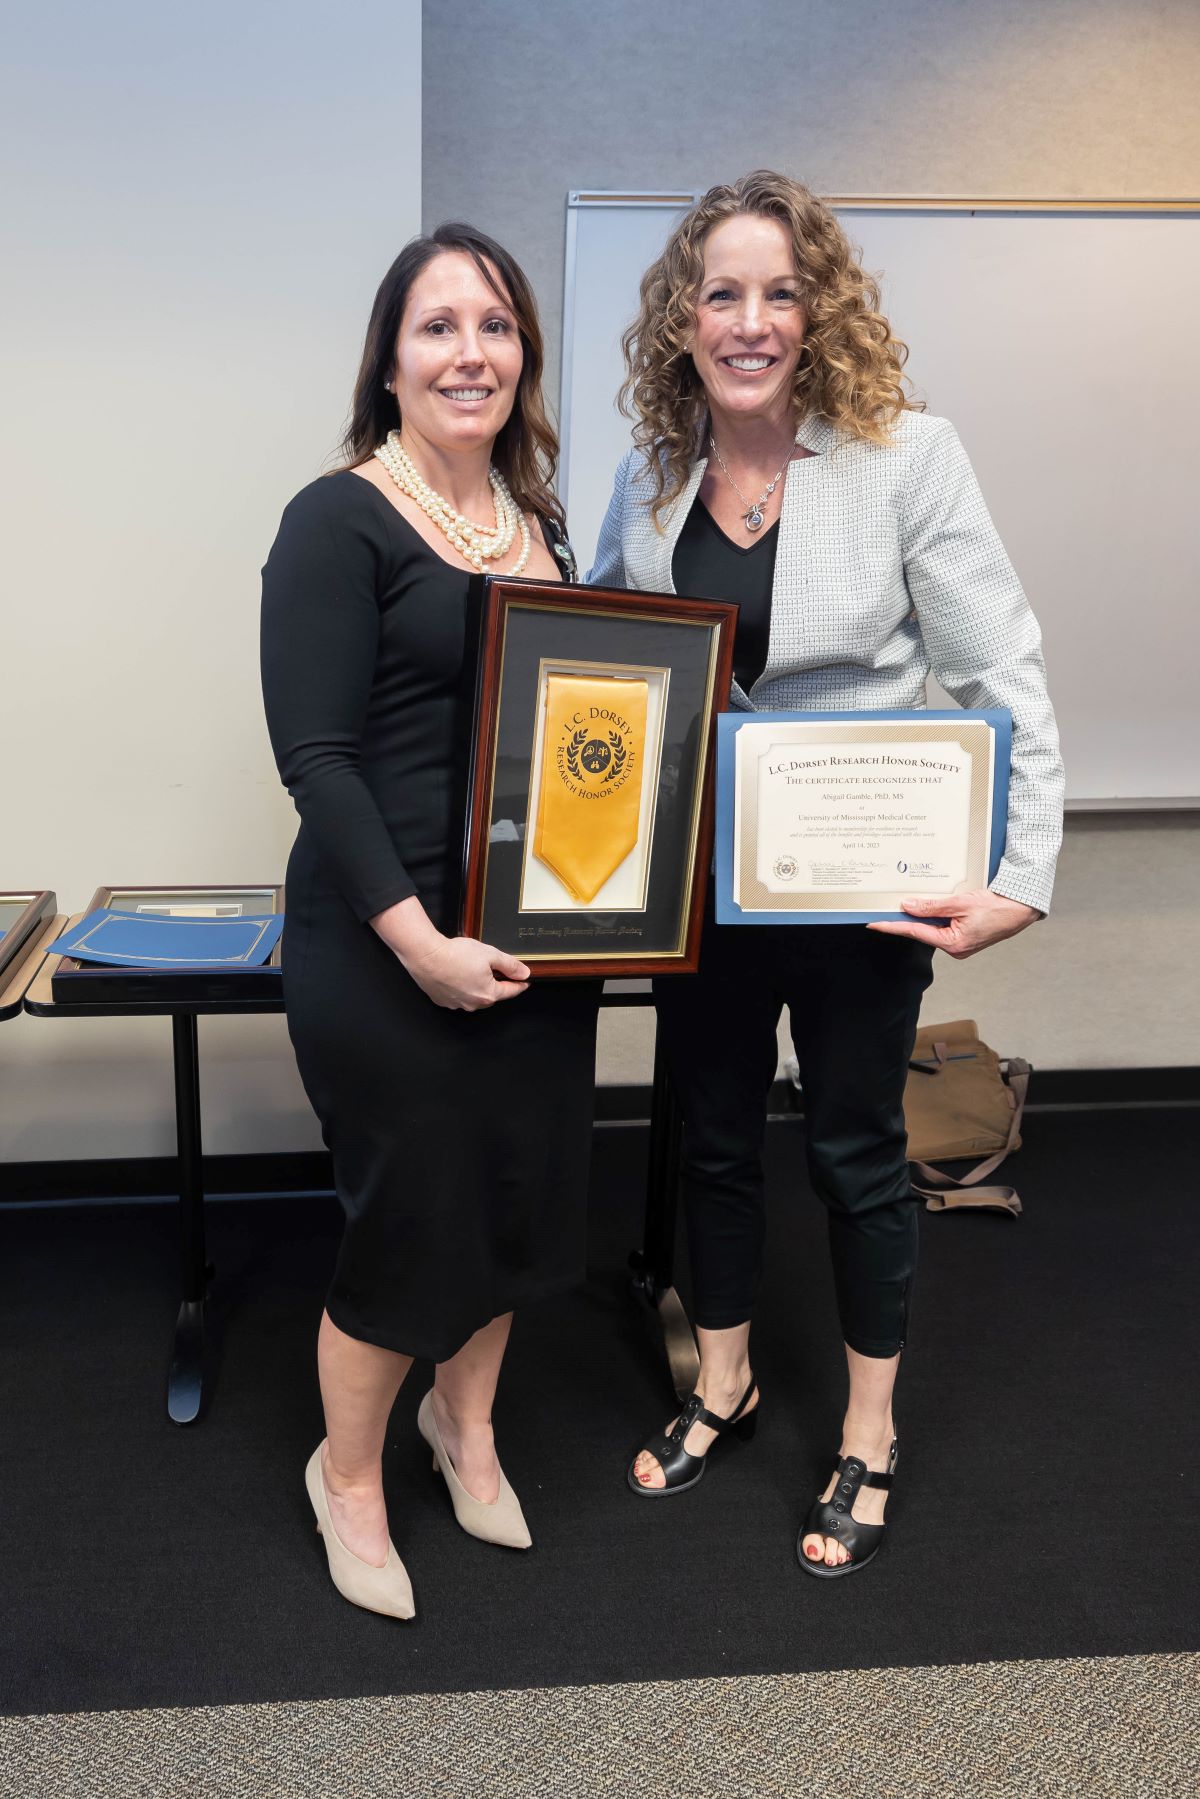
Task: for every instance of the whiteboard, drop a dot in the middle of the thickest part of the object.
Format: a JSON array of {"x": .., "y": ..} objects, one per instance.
[
  {"x": 611, "y": 241},
  {"x": 1060, "y": 346}
]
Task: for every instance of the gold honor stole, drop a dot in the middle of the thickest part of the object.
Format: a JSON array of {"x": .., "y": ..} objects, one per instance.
[{"x": 591, "y": 786}]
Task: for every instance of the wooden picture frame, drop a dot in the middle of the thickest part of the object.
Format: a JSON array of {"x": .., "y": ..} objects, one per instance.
[
  {"x": 674, "y": 656},
  {"x": 22, "y": 911}
]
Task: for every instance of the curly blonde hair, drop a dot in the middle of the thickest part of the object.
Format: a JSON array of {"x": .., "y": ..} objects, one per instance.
[{"x": 848, "y": 374}]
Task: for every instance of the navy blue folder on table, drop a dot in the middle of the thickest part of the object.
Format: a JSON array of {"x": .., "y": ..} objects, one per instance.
[{"x": 146, "y": 940}]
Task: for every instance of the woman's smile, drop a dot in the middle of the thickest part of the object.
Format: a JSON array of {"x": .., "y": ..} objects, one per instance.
[
  {"x": 749, "y": 365},
  {"x": 466, "y": 396}
]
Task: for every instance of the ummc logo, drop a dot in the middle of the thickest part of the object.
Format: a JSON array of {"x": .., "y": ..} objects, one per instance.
[{"x": 902, "y": 868}]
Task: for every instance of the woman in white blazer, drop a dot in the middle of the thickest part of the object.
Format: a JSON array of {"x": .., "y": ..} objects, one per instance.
[{"x": 778, "y": 462}]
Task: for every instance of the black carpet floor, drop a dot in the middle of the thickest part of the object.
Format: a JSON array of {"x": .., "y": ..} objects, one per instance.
[{"x": 1045, "y": 1505}]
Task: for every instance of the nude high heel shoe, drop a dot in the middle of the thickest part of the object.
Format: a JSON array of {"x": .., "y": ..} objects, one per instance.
[
  {"x": 387, "y": 1589},
  {"x": 500, "y": 1522}
]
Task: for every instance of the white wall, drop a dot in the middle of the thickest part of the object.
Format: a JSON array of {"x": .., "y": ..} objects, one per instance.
[{"x": 205, "y": 200}]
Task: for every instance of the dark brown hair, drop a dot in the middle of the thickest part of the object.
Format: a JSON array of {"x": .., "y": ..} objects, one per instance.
[{"x": 526, "y": 448}]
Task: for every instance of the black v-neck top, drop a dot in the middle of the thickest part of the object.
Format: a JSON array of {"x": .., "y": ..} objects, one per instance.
[{"x": 707, "y": 565}]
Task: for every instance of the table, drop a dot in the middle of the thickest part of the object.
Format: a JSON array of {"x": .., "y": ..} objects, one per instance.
[
  {"x": 185, "y": 1377},
  {"x": 188, "y": 1377}
]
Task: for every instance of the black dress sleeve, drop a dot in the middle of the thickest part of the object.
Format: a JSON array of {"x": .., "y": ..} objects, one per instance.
[{"x": 319, "y": 645}]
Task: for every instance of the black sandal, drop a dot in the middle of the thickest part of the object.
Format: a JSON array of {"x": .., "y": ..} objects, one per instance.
[
  {"x": 681, "y": 1469},
  {"x": 833, "y": 1517}
]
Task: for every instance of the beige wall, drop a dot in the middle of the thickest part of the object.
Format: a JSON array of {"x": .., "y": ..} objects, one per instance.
[{"x": 198, "y": 226}]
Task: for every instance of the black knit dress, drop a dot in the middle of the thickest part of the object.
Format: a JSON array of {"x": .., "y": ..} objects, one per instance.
[{"x": 459, "y": 1140}]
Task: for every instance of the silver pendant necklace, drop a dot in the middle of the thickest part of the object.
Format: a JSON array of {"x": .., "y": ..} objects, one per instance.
[{"x": 753, "y": 516}]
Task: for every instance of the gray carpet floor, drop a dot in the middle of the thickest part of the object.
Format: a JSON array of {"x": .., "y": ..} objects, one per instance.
[{"x": 1098, "y": 1727}]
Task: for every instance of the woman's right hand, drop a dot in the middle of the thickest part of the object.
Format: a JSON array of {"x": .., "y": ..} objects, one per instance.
[
  {"x": 459, "y": 973},
  {"x": 465, "y": 975}
]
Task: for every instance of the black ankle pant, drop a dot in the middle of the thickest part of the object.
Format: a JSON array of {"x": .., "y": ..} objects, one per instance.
[{"x": 854, "y": 997}]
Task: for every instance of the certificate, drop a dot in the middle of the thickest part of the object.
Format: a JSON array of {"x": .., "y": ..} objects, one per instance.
[{"x": 837, "y": 817}]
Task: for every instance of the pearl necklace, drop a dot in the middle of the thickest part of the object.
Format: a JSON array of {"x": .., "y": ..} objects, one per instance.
[{"x": 473, "y": 543}]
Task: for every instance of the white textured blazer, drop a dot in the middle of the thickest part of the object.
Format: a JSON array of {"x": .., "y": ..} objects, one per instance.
[{"x": 888, "y": 565}]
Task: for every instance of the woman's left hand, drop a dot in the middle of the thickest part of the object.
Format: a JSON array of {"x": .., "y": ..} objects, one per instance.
[{"x": 976, "y": 919}]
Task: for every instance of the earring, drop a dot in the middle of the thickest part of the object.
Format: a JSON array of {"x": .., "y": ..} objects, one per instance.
[{"x": 387, "y": 387}]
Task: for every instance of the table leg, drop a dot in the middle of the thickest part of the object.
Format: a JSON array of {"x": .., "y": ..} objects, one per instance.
[
  {"x": 654, "y": 1264},
  {"x": 185, "y": 1380}
]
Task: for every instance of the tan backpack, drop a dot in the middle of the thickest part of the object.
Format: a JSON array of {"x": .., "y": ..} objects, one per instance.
[{"x": 961, "y": 1101}]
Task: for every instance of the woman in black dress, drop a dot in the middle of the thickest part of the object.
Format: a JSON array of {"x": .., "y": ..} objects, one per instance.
[{"x": 455, "y": 1098}]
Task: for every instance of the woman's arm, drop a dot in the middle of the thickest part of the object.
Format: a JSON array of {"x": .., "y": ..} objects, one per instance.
[
  {"x": 319, "y": 643},
  {"x": 985, "y": 648},
  {"x": 608, "y": 570}
]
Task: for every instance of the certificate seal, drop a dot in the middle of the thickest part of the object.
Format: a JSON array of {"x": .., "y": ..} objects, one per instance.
[{"x": 785, "y": 869}]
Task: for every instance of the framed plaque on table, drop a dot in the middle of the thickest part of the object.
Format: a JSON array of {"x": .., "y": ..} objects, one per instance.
[
  {"x": 588, "y": 835},
  {"x": 837, "y": 817},
  {"x": 78, "y": 982},
  {"x": 21, "y": 914}
]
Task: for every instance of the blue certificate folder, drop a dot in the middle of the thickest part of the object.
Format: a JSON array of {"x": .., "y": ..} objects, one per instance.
[
  {"x": 728, "y": 725},
  {"x": 142, "y": 940}
]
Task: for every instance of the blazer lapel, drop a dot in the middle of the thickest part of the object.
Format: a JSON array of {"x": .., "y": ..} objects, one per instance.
[
  {"x": 673, "y": 519},
  {"x": 787, "y": 588}
]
